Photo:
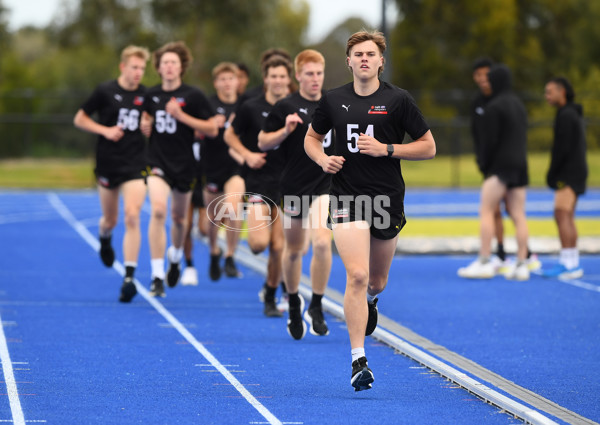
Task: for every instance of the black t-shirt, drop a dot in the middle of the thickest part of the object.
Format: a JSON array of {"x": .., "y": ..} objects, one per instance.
[
  {"x": 215, "y": 152},
  {"x": 171, "y": 141},
  {"x": 247, "y": 124},
  {"x": 117, "y": 106},
  {"x": 301, "y": 175},
  {"x": 386, "y": 115}
]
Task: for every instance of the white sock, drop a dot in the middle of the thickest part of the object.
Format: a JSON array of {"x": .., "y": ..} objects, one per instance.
[
  {"x": 572, "y": 258},
  {"x": 564, "y": 257},
  {"x": 357, "y": 353},
  {"x": 158, "y": 268},
  {"x": 130, "y": 264},
  {"x": 174, "y": 254},
  {"x": 371, "y": 298}
]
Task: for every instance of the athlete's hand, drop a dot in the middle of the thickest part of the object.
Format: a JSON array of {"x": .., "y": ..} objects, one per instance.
[
  {"x": 173, "y": 108},
  {"x": 220, "y": 120},
  {"x": 332, "y": 164},
  {"x": 256, "y": 160},
  {"x": 113, "y": 133},
  {"x": 291, "y": 122},
  {"x": 370, "y": 146}
]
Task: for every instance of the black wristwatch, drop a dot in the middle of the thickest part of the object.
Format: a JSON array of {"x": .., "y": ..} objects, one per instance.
[{"x": 390, "y": 149}]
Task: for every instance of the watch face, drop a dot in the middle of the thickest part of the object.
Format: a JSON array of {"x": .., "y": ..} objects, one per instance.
[{"x": 390, "y": 149}]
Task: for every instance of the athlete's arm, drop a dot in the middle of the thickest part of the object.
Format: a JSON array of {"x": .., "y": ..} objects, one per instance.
[
  {"x": 254, "y": 160},
  {"x": 84, "y": 122},
  {"x": 270, "y": 140},
  {"x": 207, "y": 127},
  {"x": 313, "y": 146},
  {"x": 146, "y": 123},
  {"x": 420, "y": 149}
]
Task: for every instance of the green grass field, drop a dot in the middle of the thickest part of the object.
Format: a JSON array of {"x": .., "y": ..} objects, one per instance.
[{"x": 443, "y": 171}]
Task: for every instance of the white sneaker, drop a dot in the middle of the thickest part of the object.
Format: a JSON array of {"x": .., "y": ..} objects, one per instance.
[
  {"x": 520, "y": 271},
  {"x": 533, "y": 263},
  {"x": 189, "y": 277},
  {"x": 478, "y": 270}
]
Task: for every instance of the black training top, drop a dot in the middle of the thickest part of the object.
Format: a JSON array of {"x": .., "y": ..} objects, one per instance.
[
  {"x": 504, "y": 143},
  {"x": 171, "y": 141},
  {"x": 568, "y": 166},
  {"x": 386, "y": 115},
  {"x": 215, "y": 152},
  {"x": 301, "y": 175},
  {"x": 117, "y": 106},
  {"x": 478, "y": 126}
]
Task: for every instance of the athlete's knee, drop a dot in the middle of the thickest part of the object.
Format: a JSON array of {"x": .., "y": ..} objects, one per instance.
[
  {"x": 159, "y": 211},
  {"x": 109, "y": 221},
  {"x": 257, "y": 245},
  {"x": 357, "y": 277},
  {"x": 377, "y": 283},
  {"x": 132, "y": 218},
  {"x": 322, "y": 246}
]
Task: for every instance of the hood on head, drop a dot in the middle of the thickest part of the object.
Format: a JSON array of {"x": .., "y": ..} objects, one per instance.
[{"x": 500, "y": 78}]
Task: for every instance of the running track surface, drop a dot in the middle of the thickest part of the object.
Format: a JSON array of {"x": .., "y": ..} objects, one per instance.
[{"x": 71, "y": 354}]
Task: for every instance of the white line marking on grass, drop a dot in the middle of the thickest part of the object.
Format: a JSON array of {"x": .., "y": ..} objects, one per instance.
[
  {"x": 11, "y": 384},
  {"x": 142, "y": 291}
]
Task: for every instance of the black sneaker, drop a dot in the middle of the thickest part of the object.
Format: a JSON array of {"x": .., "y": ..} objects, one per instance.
[
  {"x": 107, "y": 254},
  {"x": 157, "y": 288},
  {"x": 271, "y": 309},
  {"x": 173, "y": 273},
  {"x": 362, "y": 376},
  {"x": 318, "y": 325},
  {"x": 128, "y": 290},
  {"x": 215, "y": 268},
  {"x": 372, "y": 320},
  {"x": 295, "y": 325},
  {"x": 230, "y": 268}
]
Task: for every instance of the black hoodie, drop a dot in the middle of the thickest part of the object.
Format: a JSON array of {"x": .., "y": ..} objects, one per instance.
[
  {"x": 503, "y": 151},
  {"x": 568, "y": 166}
]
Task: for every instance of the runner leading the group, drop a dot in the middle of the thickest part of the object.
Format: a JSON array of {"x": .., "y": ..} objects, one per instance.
[
  {"x": 370, "y": 118},
  {"x": 304, "y": 188}
]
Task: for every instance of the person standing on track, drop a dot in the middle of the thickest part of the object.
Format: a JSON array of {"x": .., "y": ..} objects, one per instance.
[
  {"x": 304, "y": 188},
  {"x": 173, "y": 110},
  {"x": 120, "y": 158},
  {"x": 503, "y": 161},
  {"x": 261, "y": 173},
  {"x": 567, "y": 174},
  {"x": 370, "y": 118}
]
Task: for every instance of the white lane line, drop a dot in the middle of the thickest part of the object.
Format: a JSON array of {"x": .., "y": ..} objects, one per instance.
[
  {"x": 581, "y": 284},
  {"x": 93, "y": 242},
  {"x": 11, "y": 384}
]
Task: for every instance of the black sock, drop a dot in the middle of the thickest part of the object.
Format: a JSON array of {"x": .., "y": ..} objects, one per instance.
[
  {"x": 528, "y": 253},
  {"x": 129, "y": 271},
  {"x": 315, "y": 301},
  {"x": 294, "y": 300},
  {"x": 269, "y": 293},
  {"x": 189, "y": 262},
  {"x": 283, "y": 287},
  {"x": 500, "y": 253},
  {"x": 105, "y": 240}
]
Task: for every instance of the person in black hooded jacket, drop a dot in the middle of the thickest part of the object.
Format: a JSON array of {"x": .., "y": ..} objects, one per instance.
[
  {"x": 502, "y": 158},
  {"x": 567, "y": 174}
]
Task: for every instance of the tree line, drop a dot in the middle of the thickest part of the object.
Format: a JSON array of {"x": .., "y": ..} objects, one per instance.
[{"x": 46, "y": 72}]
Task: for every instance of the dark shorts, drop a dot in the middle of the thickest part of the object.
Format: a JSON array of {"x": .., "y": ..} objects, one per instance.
[
  {"x": 182, "y": 185},
  {"x": 216, "y": 183},
  {"x": 267, "y": 190},
  {"x": 113, "y": 181},
  {"x": 198, "y": 196},
  {"x": 383, "y": 224}
]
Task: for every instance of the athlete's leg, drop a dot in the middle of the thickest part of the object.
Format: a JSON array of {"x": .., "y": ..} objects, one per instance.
[
  {"x": 492, "y": 192},
  {"x": 295, "y": 234},
  {"x": 276, "y": 243},
  {"x": 515, "y": 199},
  {"x": 109, "y": 203},
  {"x": 179, "y": 210},
  {"x": 213, "y": 226},
  {"x": 320, "y": 235},
  {"x": 381, "y": 256},
  {"x": 134, "y": 193},
  {"x": 158, "y": 192},
  {"x": 352, "y": 241},
  {"x": 259, "y": 228},
  {"x": 565, "y": 200},
  {"x": 234, "y": 189}
]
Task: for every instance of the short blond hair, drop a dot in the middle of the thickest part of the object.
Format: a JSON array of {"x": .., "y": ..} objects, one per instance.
[
  {"x": 376, "y": 37},
  {"x": 224, "y": 67},
  {"x": 137, "y": 51},
  {"x": 308, "y": 56}
]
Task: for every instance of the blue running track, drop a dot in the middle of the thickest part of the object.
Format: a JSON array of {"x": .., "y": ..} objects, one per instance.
[{"x": 72, "y": 354}]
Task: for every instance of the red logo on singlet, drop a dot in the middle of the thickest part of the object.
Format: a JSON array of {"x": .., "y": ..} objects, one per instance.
[{"x": 378, "y": 110}]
